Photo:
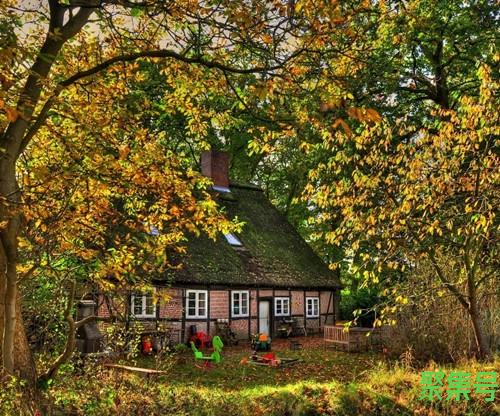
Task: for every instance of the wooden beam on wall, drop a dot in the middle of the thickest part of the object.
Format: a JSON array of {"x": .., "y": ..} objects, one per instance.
[
  {"x": 305, "y": 310},
  {"x": 208, "y": 310}
]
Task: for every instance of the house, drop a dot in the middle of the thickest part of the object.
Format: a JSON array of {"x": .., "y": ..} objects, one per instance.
[{"x": 254, "y": 280}]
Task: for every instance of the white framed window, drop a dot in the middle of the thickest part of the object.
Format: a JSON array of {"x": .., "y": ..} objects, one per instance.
[
  {"x": 312, "y": 307},
  {"x": 143, "y": 305},
  {"x": 196, "y": 303},
  {"x": 281, "y": 306},
  {"x": 239, "y": 303}
]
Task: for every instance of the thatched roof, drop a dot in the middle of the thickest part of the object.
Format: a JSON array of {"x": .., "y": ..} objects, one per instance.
[{"x": 273, "y": 253}]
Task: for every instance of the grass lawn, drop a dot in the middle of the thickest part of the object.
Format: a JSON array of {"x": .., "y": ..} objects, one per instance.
[
  {"x": 327, "y": 382},
  {"x": 319, "y": 365}
]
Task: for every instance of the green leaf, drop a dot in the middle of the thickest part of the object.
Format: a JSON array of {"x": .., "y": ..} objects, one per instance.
[{"x": 136, "y": 11}]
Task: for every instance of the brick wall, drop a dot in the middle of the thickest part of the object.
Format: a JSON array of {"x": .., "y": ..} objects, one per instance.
[
  {"x": 265, "y": 293},
  {"x": 219, "y": 304},
  {"x": 254, "y": 326},
  {"x": 240, "y": 326},
  {"x": 253, "y": 312},
  {"x": 215, "y": 165},
  {"x": 326, "y": 299},
  {"x": 297, "y": 300},
  {"x": 117, "y": 302},
  {"x": 171, "y": 311},
  {"x": 312, "y": 293},
  {"x": 313, "y": 324},
  {"x": 173, "y": 307},
  {"x": 201, "y": 326},
  {"x": 102, "y": 307},
  {"x": 253, "y": 303}
]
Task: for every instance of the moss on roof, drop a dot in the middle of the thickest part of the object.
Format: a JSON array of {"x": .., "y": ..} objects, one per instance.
[{"x": 273, "y": 253}]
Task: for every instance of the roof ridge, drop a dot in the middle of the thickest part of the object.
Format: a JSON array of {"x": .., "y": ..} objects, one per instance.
[{"x": 249, "y": 186}]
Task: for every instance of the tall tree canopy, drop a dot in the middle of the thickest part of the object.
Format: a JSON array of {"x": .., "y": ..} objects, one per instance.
[
  {"x": 422, "y": 175},
  {"x": 84, "y": 168},
  {"x": 394, "y": 124}
]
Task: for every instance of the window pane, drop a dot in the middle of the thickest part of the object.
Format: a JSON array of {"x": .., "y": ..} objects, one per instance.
[
  {"x": 236, "y": 297},
  {"x": 150, "y": 309},
  {"x": 285, "y": 306},
  {"x": 244, "y": 303},
  {"x": 191, "y": 297},
  {"x": 191, "y": 302},
  {"x": 137, "y": 305},
  {"x": 236, "y": 310},
  {"x": 313, "y": 307},
  {"x": 192, "y": 311}
]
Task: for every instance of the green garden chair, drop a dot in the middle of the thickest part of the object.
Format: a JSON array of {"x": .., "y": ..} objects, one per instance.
[{"x": 215, "y": 357}]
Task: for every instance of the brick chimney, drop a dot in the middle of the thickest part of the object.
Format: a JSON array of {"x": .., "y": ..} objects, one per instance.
[{"x": 215, "y": 165}]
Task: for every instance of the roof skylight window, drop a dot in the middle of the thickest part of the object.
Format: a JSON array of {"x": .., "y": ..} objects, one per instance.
[
  {"x": 219, "y": 188},
  {"x": 233, "y": 240}
]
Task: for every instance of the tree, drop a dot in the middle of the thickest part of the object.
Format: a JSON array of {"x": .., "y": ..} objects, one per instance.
[
  {"x": 411, "y": 59},
  {"x": 421, "y": 193},
  {"x": 424, "y": 52},
  {"x": 83, "y": 46},
  {"x": 405, "y": 57}
]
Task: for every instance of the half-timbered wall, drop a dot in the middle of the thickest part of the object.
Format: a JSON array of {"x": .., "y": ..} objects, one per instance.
[{"x": 171, "y": 313}]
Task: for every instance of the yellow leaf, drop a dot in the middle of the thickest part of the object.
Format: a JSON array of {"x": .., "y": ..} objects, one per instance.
[
  {"x": 12, "y": 114},
  {"x": 344, "y": 125},
  {"x": 267, "y": 38},
  {"x": 373, "y": 115}
]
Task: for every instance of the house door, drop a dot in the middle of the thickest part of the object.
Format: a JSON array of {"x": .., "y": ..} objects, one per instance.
[{"x": 264, "y": 317}]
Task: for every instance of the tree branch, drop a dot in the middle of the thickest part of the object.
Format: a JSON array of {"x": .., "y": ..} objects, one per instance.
[
  {"x": 446, "y": 283},
  {"x": 70, "y": 342},
  {"x": 167, "y": 53},
  {"x": 161, "y": 53}
]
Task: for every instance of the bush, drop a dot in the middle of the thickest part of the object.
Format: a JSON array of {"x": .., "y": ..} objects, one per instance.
[
  {"x": 434, "y": 326},
  {"x": 363, "y": 300}
]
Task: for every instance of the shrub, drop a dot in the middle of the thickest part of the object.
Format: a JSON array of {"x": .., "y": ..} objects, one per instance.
[{"x": 363, "y": 300}]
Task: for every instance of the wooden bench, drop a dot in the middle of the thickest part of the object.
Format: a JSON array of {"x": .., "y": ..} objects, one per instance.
[
  {"x": 146, "y": 372},
  {"x": 354, "y": 338},
  {"x": 336, "y": 335}
]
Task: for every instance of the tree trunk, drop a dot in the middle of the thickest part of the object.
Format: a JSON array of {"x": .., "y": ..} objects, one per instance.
[
  {"x": 9, "y": 330},
  {"x": 10, "y": 217},
  {"x": 24, "y": 364},
  {"x": 15, "y": 351},
  {"x": 483, "y": 347},
  {"x": 3, "y": 287},
  {"x": 12, "y": 142}
]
